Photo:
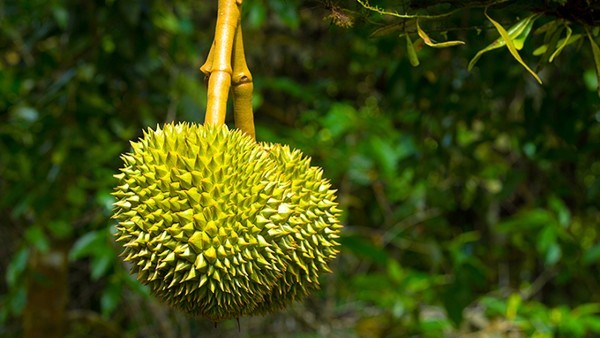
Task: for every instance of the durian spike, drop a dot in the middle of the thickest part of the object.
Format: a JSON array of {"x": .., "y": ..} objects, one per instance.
[
  {"x": 218, "y": 65},
  {"x": 242, "y": 87}
]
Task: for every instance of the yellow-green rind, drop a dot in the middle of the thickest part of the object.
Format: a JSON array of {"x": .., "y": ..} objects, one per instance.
[
  {"x": 220, "y": 226},
  {"x": 313, "y": 218}
]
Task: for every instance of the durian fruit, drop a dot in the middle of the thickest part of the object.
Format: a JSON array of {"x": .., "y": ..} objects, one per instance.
[
  {"x": 220, "y": 226},
  {"x": 311, "y": 213}
]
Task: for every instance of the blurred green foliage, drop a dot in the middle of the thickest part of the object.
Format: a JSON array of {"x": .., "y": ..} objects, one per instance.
[{"x": 470, "y": 198}]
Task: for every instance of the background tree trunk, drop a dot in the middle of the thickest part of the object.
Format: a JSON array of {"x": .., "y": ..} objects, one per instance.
[{"x": 47, "y": 297}]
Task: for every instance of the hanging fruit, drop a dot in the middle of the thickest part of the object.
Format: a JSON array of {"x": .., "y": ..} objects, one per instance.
[{"x": 216, "y": 224}]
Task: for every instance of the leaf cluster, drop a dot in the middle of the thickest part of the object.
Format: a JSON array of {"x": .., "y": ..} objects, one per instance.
[{"x": 559, "y": 16}]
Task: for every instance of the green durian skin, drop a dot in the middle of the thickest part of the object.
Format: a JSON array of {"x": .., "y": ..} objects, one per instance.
[
  {"x": 219, "y": 226},
  {"x": 314, "y": 223}
]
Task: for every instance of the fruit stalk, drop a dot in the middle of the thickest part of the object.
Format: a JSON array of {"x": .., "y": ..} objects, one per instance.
[
  {"x": 218, "y": 64},
  {"x": 226, "y": 67},
  {"x": 242, "y": 88}
]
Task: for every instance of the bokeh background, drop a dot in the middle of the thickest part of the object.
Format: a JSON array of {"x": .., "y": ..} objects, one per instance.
[{"x": 471, "y": 199}]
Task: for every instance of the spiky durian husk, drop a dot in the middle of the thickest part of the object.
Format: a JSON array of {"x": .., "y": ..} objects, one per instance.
[
  {"x": 314, "y": 227},
  {"x": 220, "y": 226}
]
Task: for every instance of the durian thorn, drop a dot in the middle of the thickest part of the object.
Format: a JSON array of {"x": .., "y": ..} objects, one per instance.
[{"x": 218, "y": 65}]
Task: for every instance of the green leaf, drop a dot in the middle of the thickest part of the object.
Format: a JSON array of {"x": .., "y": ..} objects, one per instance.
[
  {"x": 60, "y": 229},
  {"x": 493, "y": 306},
  {"x": 110, "y": 298},
  {"x": 85, "y": 245},
  {"x": 587, "y": 309},
  {"x": 287, "y": 12},
  {"x": 434, "y": 327},
  {"x": 547, "y": 27},
  {"x": 593, "y": 323},
  {"x": 459, "y": 294},
  {"x": 412, "y": 53},
  {"x": 131, "y": 10},
  {"x": 387, "y": 30},
  {"x": 256, "y": 15},
  {"x": 514, "y": 31},
  {"x": 562, "y": 211},
  {"x": 17, "y": 265},
  {"x": 95, "y": 245},
  {"x": 36, "y": 237},
  {"x": 596, "y": 52},
  {"x": 18, "y": 300},
  {"x": 551, "y": 40},
  {"x": 512, "y": 306},
  {"x": 590, "y": 79},
  {"x": 519, "y": 40},
  {"x": 513, "y": 39},
  {"x": 553, "y": 254},
  {"x": 363, "y": 247},
  {"x": 385, "y": 156},
  {"x": 545, "y": 239},
  {"x": 100, "y": 264},
  {"x": 540, "y": 50},
  {"x": 592, "y": 255},
  {"x": 561, "y": 44},
  {"x": 530, "y": 219},
  {"x": 395, "y": 271},
  {"x": 430, "y": 43},
  {"x": 340, "y": 119},
  {"x": 61, "y": 16}
]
